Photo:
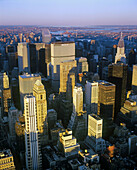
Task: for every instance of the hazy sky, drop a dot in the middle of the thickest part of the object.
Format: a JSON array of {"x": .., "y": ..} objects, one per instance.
[{"x": 68, "y": 12}]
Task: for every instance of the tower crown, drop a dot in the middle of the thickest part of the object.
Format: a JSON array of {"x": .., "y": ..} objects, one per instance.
[{"x": 121, "y": 42}]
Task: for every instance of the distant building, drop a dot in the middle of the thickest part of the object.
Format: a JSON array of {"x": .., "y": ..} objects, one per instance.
[
  {"x": 46, "y": 36},
  {"x": 120, "y": 55},
  {"x": 60, "y": 51},
  {"x": 6, "y": 160},
  {"x": 32, "y": 145},
  {"x": 26, "y": 84},
  {"x": 132, "y": 142},
  {"x": 68, "y": 144}
]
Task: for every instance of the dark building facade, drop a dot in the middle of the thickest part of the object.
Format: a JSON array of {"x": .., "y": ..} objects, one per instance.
[{"x": 117, "y": 74}]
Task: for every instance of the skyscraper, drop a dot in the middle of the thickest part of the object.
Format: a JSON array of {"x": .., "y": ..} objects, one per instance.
[
  {"x": 46, "y": 36},
  {"x": 23, "y": 57},
  {"x": 82, "y": 65},
  {"x": 26, "y": 84},
  {"x": 33, "y": 154},
  {"x": 60, "y": 51},
  {"x": 41, "y": 107},
  {"x": 134, "y": 79},
  {"x": 70, "y": 86},
  {"x": 65, "y": 68},
  {"x": 77, "y": 99},
  {"x": 117, "y": 74},
  {"x": 106, "y": 99},
  {"x": 94, "y": 138},
  {"x": 91, "y": 96},
  {"x": 120, "y": 55}
]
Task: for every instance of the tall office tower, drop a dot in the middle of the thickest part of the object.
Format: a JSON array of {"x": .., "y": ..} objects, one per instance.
[
  {"x": 103, "y": 63},
  {"x": 114, "y": 51},
  {"x": 65, "y": 68},
  {"x": 134, "y": 79},
  {"x": 6, "y": 160},
  {"x": 132, "y": 58},
  {"x": 5, "y": 81},
  {"x": 78, "y": 125},
  {"x": 46, "y": 36},
  {"x": 60, "y": 51},
  {"x": 77, "y": 99},
  {"x": 12, "y": 117},
  {"x": 93, "y": 65},
  {"x": 94, "y": 138},
  {"x": 23, "y": 57},
  {"x": 48, "y": 53},
  {"x": 68, "y": 144},
  {"x": 128, "y": 114},
  {"x": 26, "y": 84},
  {"x": 70, "y": 86},
  {"x": 41, "y": 107},
  {"x": 6, "y": 93},
  {"x": 42, "y": 65},
  {"x": 33, "y": 58},
  {"x": 91, "y": 96},
  {"x": 32, "y": 146},
  {"x": 117, "y": 74},
  {"x": 106, "y": 99},
  {"x": 120, "y": 55},
  {"x": 82, "y": 65}
]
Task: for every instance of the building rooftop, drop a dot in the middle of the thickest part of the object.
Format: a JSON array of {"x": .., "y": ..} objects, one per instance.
[
  {"x": 29, "y": 75},
  {"x": 63, "y": 42},
  {"x": 5, "y": 153},
  {"x": 95, "y": 116},
  {"x": 105, "y": 83}
]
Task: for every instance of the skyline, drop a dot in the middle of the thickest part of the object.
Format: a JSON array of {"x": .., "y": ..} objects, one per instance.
[{"x": 68, "y": 13}]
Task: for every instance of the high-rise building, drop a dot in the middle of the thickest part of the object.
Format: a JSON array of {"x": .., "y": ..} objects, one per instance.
[
  {"x": 33, "y": 58},
  {"x": 26, "y": 84},
  {"x": 6, "y": 160},
  {"x": 6, "y": 99},
  {"x": 5, "y": 81},
  {"x": 134, "y": 79},
  {"x": 103, "y": 63},
  {"x": 91, "y": 96},
  {"x": 12, "y": 117},
  {"x": 23, "y": 57},
  {"x": 77, "y": 99},
  {"x": 60, "y": 51},
  {"x": 117, "y": 74},
  {"x": 106, "y": 99},
  {"x": 132, "y": 57},
  {"x": 32, "y": 146},
  {"x": 94, "y": 138},
  {"x": 68, "y": 144},
  {"x": 82, "y": 65},
  {"x": 120, "y": 55},
  {"x": 65, "y": 68},
  {"x": 46, "y": 36},
  {"x": 41, "y": 107},
  {"x": 70, "y": 86}
]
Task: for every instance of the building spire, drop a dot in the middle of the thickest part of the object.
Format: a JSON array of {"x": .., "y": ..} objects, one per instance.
[{"x": 121, "y": 35}]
